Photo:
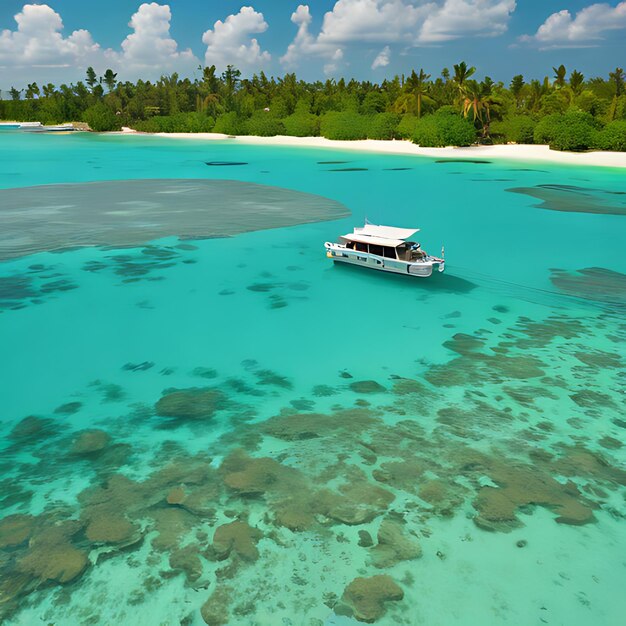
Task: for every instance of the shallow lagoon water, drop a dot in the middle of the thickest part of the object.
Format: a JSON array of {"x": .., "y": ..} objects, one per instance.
[{"x": 325, "y": 401}]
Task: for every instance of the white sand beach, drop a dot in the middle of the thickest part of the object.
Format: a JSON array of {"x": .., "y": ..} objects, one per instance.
[{"x": 511, "y": 152}]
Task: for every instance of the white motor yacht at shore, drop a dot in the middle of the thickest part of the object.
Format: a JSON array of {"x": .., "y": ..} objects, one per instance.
[
  {"x": 385, "y": 248},
  {"x": 37, "y": 127}
]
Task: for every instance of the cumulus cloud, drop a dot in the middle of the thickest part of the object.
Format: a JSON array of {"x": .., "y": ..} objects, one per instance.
[
  {"x": 371, "y": 21},
  {"x": 150, "y": 44},
  {"x": 562, "y": 29},
  {"x": 229, "y": 41},
  {"x": 383, "y": 58},
  {"x": 306, "y": 45},
  {"x": 401, "y": 22},
  {"x": 39, "y": 44},
  {"x": 38, "y": 41},
  {"x": 463, "y": 18}
]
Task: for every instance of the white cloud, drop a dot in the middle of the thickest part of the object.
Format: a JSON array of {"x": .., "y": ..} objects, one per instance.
[
  {"x": 590, "y": 24},
  {"x": 305, "y": 45},
  {"x": 464, "y": 18},
  {"x": 38, "y": 41},
  {"x": 404, "y": 22},
  {"x": 371, "y": 21},
  {"x": 383, "y": 58},
  {"x": 229, "y": 42},
  {"x": 39, "y": 46},
  {"x": 332, "y": 66},
  {"x": 150, "y": 44}
]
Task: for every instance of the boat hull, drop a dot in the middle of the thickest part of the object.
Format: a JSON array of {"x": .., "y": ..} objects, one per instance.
[{"x": 394, "y": 266}]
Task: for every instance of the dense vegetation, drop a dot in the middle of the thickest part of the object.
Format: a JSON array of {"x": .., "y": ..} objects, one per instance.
[{"x": 567, "y": 112}]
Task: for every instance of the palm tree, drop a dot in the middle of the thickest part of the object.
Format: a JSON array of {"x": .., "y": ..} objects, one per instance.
[
  {"x": 472, "y": 99},
  {"x": 576, "y": 82},
  {"x": 91, "y": 79},
  {"x": 516, "y": 86},
  {"x": 32, "y": 90},
  {"x": 418, "y": 87},
  {"x": 231, "y": 77},
  {"x": 462, "y": 73},
  {"x": 479, "y": 99},
  {"x": 537, "y": 91},
  {"x": 48, "y": 90},
  {"x": 559, "y": 76},
  {"x": 110, "y": 79},
  {"x": 618, "y": 77}
]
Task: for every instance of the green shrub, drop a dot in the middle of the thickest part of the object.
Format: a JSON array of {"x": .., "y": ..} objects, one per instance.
[
  {"x": 555, "y": 102},
  {"x": 575, "y": 131},
  {"x": 444, "y": 128},
  {"x": 620, "y": 108},
  {"x": 573, "y": 135},
  {"x": 383, "y": 126},
  {"x": 374, "y": 102},
  {"x": 426, "y": 133},
  {"x": 101, "y": 118},
  {"x": 302, "y": 124},
  {"x": 516, "y": 129},
  {"x": 588, "y": 102},
  {"x": 194, "y": 122},
  {"x": 546, "y": 128},
  {"x": 179, "y": 123},
  {"x": 613, "y": 137},
  {"x": 264, "y": 124},
  {"x": 344, "y": 125},
  {"x": 230, "y": 124},
  {"x": 406, "y": 126}
]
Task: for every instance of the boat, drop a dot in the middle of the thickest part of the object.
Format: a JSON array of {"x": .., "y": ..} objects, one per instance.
[
  {"x": 385, "y": 248},
  {"x": 40, "y": 128}
]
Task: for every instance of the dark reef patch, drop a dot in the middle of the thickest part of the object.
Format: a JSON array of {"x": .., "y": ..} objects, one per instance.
[
  {"x": 136, "y": 265},
  {"x": 69, "y": 408},
  {"x": 190, "y": 404},
  {"x": 129, "y": 213},
  {"x": 34, "y": 286},
  {"x": 224, "y": 163},
  {"x": 473, "y": 161},
  {"x": 592, "y": 283},
  {"x": 349, "y": 169},
  {"x": 138, "y": 367},
  {"x": 571, "y": 198}
]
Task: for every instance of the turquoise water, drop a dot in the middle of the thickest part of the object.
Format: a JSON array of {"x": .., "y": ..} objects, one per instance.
[{"x": 478, "y": 416}]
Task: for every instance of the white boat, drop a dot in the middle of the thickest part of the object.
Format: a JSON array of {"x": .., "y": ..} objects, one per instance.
[
  {"x": 18, "y": 125},
  {"x": 40, "y": 128},
  {"x": 385, "y": 248}
]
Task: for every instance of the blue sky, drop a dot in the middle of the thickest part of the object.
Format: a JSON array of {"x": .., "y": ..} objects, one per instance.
[{"x": 366, "y": 39}]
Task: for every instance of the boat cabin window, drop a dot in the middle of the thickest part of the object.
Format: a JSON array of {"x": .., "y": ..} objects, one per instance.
[
  {"x": 389, "y": 252},
  {"x": 361, "y": 247},
  {"x": 378, "y": 250},
  {"x": 350, "y": 245}
]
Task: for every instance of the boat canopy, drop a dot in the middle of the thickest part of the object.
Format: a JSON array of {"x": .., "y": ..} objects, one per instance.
[
  {"x": 386, "y": 232},
  {"x": 375, "y": 241}
]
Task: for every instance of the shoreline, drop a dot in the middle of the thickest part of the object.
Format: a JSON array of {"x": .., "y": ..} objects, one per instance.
[{"x": 520, "y": 152}]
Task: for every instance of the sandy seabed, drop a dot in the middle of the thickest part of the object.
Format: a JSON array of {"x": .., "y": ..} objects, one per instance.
[{"x": 512, "y": 152}]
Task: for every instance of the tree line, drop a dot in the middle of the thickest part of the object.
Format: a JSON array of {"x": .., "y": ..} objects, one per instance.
[{"x": 566, "y": 110}]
